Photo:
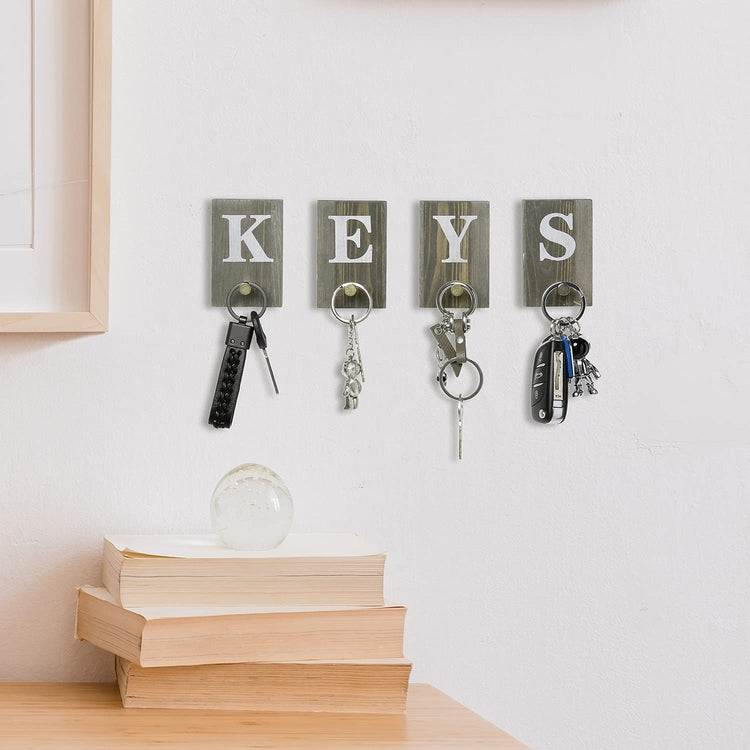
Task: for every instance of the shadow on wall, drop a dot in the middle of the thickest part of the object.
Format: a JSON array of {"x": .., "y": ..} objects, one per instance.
[
  {"x": 31, "y": 649},
  {"x": 15, "y": 344}
]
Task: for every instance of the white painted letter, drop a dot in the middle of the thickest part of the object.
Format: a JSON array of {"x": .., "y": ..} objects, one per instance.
[
  {"x": 556, "y": 236},
  {"x": 454, "y": 240},
  {"x": 236, "y": 238},
  {"x": 342, "y": 239}
]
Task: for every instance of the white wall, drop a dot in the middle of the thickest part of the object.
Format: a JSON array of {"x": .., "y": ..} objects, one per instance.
[{"x": 583, "y": 586}]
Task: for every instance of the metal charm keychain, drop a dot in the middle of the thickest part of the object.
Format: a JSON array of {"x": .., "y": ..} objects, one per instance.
[
  {"x": 561, "y": 358},
  {"x": 238, "y": 340},
  {"x": 452, "y": 354},
  {"x": 352, "y": 368}
]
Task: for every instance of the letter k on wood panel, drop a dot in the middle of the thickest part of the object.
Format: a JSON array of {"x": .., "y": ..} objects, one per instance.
[{"x": 247, "y": 243}]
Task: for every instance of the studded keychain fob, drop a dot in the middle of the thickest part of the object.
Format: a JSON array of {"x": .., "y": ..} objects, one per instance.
[
  {"x": 239, "y": 338},
  {"x": 549, "y": 382}
]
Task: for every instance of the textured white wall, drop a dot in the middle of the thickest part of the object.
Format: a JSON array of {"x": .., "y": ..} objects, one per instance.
[{"x": 584, "y": 586}]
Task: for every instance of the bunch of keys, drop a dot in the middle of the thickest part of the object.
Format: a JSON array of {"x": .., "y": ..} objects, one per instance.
[
  {"x": 352, "y": 368},
  {"x": 561, "y": 359},
  {"x": 238, "y": 340},
  {"x": 452, "y": 354}
]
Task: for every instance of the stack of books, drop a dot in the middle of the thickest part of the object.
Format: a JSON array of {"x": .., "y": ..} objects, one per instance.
[{"x": 303, "y": 627}]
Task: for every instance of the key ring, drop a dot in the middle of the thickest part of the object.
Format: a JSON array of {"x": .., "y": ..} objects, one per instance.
[
  {"x": 340, "y": 288},
  {"x": 447, "y": 364},
  {"x": 554, "y": 286},
  {"x": 235, "y": 288},
  {"x": 466, "y": 287}
]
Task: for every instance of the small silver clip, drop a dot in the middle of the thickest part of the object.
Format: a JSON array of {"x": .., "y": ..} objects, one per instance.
[
  {"x": 445, "y": 346},
  {"x": 460, "y": 331}
]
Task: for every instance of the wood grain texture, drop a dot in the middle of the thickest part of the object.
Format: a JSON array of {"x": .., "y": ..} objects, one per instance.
[
  {"x": 270, "y": 236},
  {"x": 539, "y": 274},
  {"x": 48, "y": 322},
  {"x": 96, "y": 318},
  {"x": 91, "y": 717},
  {"x": 371, "y": 275},
  {"x": 475, "y": 248}
]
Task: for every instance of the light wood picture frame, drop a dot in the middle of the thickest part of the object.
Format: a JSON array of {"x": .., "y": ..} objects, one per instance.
[{"x": 94, "y": 315}]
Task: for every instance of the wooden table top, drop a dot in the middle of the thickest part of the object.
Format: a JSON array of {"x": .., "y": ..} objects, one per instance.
[{"x": 89, "y": 715}]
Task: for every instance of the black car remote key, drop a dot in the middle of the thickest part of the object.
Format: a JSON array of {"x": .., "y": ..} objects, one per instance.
[
  {"x": 549, "y": 383},
  {"x": 239, "y": 338}
]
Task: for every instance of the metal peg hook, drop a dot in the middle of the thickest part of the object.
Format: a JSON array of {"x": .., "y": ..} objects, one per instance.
[
  {"x": 450, "y": 286},
  {"x": 571, "y": 286},
  {"x": 357, "y": 287},
  {"x": 238, "y": 288}
]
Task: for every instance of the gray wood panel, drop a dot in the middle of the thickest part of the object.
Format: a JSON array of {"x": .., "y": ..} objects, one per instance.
[
  {"x": 548, "y": 251},
  {"x": 438, "y": 265},
  {"x": 234, "y": 259},
  {"x": 372, "y": 275}
]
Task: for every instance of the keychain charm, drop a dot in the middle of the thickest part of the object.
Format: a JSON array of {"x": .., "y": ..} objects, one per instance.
[
  {"x": 352, "y": 368},
  {"x": 238, "y": 340},
  {"x": 452, "y": 354},
  {"x": 560, "y": 359}
]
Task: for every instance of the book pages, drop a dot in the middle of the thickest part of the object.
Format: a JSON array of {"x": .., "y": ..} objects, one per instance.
[
  {"x": 167, "y": 613},
  {"x": 202, "y": 546}
]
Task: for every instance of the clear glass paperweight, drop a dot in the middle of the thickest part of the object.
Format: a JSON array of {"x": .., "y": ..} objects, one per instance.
[{"x": 251, "y": 508}]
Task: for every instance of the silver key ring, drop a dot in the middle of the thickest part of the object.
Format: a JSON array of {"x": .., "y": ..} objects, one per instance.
[
  {"x": 449, "y": 285},
  {"x": 253, "y": 286},
  {"x": 552, "y": 288},
  {"x": 340, "y": 288},
  {"x": 447, "y": 364}
]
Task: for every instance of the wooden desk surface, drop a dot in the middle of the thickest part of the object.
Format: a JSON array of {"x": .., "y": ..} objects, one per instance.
[{"x": 89, "y": 715}]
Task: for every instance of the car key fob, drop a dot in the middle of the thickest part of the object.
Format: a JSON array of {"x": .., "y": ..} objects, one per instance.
[{"x": 549, "y": 383}]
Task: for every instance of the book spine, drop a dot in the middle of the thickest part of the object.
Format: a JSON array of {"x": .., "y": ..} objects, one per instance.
[
  {"x": 112, "y": 570},
  {"x": 363, "y": 633},
  {"x": 177, "y": 582},
  {"x": 310, "y": 686}
]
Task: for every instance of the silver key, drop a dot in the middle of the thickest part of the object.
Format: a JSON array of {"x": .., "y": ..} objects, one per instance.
[
  {"x": 357, "y": 349},
  {"x": 262, "y": 342},
  {"x": 460, "y": 426}
]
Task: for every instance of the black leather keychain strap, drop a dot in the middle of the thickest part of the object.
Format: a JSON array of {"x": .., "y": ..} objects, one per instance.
[{"x": 239, "y": 338}]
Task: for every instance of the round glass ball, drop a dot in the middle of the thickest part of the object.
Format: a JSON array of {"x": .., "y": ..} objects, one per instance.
[{"x": 251, "y": 508}]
